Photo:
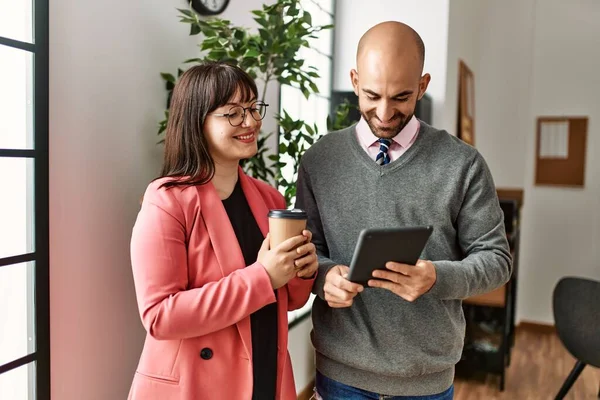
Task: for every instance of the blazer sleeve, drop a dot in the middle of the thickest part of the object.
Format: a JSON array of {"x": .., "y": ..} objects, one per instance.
[
  {"x": 168, "y": 307},
  {"x": 299, "y": 290}
]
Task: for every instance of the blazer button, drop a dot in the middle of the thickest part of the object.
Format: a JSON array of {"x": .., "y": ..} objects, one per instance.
[{"x": 206, "y": 353}]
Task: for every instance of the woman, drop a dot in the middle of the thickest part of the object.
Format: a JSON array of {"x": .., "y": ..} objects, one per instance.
[{"x": 212, "y": 295}]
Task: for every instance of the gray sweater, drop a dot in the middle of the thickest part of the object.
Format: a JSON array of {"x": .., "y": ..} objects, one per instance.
[{"x": 383, "y": 343}]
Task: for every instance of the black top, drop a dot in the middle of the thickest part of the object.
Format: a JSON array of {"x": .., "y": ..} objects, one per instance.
[{"x": 264, "y": 321}]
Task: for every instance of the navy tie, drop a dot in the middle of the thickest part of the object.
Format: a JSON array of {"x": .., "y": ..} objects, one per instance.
[{"x": 382, "y": 157}]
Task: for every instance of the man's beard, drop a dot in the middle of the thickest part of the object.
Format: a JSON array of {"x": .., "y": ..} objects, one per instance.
[{"x": 388, "y": 132}]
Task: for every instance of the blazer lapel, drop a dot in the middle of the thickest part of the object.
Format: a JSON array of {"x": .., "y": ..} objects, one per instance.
[
  {"x": 221, "y": 233},
  {"x": 257, "y": 203},
  {"x": 225, "y": 244},
  {"x": 222, "y": 236}
]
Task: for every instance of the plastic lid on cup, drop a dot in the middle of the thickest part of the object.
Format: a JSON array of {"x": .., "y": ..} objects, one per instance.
[{"x": 295, "y": 213}]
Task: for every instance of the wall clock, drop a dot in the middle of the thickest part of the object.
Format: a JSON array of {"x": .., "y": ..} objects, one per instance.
[{"x": 209, "y": 7}]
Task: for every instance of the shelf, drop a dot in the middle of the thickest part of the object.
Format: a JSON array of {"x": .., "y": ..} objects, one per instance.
[{"x": 480, "y": 361}]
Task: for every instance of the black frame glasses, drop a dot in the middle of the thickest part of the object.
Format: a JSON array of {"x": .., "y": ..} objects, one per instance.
[{"x": 258, "y": 114}]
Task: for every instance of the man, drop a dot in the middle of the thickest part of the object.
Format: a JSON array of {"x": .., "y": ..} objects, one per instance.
[{"x": 403, "y": 333}]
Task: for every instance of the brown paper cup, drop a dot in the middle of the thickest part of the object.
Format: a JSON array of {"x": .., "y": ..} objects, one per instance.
[{"x": 284, "y": 224}]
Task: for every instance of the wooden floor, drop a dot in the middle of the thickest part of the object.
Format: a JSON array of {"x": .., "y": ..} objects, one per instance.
[{"x": 539, "y": 366}]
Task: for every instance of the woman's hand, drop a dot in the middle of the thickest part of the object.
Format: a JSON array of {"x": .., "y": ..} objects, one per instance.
[
  {"x": 307, "y": 263},
  {"x": 280, "y": 261}
]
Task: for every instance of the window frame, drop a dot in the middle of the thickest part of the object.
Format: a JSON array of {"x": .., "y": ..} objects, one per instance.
[
  {"x": 298, "y": 316},
  {"x": 40, "y": 358}
]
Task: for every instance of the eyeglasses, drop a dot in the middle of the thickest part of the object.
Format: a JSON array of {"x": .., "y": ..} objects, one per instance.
[{"x": 237, "y": 114}]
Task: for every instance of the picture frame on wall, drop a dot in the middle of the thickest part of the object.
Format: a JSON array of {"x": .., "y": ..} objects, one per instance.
[{"x": 466, "y": 104}]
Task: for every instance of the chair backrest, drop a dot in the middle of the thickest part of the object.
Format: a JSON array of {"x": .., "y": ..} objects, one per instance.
[{"x": 576, "y": 304}]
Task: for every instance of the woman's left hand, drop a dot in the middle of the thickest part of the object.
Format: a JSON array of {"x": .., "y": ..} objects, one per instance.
[{"x": 307, "y": 263}]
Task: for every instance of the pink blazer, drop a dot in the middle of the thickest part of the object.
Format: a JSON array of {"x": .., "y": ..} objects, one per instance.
[{"x": 195, "y": 295}]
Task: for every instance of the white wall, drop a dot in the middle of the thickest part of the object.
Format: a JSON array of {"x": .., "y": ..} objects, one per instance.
[
  {"x": 561, "y": 227},
  {"x": 464, "y": 26},
  {"x": 106, "y": 98},
  {"x": 502, "y": 88},
  {"x": 534, "y": 58},
  {"x": 302, "y": 354},
  {"x": 428, "y": 17}
]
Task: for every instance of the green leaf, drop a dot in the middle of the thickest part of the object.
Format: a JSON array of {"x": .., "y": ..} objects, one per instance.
[
  {"x": 307, "y": 18},
  {"x": 309, "y": 129},
  {"x": 194, "y": 29},
  {"x": 216, "y": 54},
  {"x": 261, "y": 21},
  {"x": 187, "y": 20},
  {"x": 305, "y": 92},
  {"x": 193, "y": 60},
  {"x": 251, "y": 53},
  {"x": 284, "y": 80},
  {"x": 213, "y": 40},
  {"x": 264, "y": 34},
  {"x": 292, "y": 10},
  {"x": 239, "y": 34},
  {"x": 252, "y": 74},
  {"x": 187, "y": 13},
  {"x": 167, "y": 77}
]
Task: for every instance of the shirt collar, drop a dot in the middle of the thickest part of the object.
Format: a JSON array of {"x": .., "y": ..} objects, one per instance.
[{"x": 406, "y": 135}]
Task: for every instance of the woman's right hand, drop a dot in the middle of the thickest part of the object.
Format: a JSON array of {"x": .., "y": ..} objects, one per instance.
[{"x": 279, "y": 262}]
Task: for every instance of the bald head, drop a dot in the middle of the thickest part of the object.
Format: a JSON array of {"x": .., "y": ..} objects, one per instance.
[
  {"x": 388, "y": 78},
  {"x": 394, "y": 41}
]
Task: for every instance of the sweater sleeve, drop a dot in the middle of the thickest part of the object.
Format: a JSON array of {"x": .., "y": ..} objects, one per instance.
[
  {"x": 482, "y": 239},
  {"x": 305, "y": 200}
]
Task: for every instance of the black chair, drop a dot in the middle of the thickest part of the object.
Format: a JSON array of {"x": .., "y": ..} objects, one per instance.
[{"x": 576, "y": 304}]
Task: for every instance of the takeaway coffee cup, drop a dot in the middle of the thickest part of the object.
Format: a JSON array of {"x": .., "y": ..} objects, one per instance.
[{"x": 284, "y": 224}]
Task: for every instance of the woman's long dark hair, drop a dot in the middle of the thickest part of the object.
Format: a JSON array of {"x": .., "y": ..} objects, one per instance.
[{"x": 200, "y": 90}]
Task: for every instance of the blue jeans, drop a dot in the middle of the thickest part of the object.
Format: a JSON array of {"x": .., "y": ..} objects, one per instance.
[{"x": 328, "y": 389}]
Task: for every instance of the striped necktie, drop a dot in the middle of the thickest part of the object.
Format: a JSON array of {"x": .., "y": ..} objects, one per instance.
[{"x": 382, "y": 157}]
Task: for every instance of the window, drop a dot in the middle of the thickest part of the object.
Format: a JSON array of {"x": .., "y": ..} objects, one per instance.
[
  {"x": 24, "y": 283},
  {"x": 315, "y": 109}
]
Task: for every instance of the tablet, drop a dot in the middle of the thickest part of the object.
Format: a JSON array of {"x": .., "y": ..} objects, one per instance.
[{"x": 375, "y": 247}]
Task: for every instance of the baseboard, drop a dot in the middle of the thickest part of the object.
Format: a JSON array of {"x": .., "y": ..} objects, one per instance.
[
  {"x": 307, "y": 393},
  {"x": 536, "y": 327}
]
